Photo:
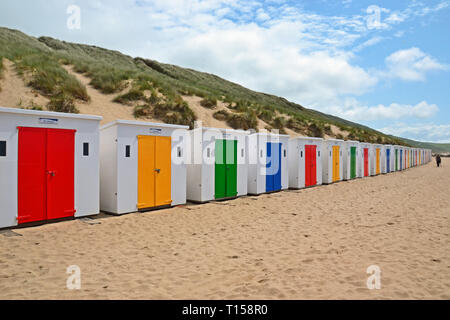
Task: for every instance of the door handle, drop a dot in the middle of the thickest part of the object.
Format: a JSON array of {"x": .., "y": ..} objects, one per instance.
[
  {"x": 157, "y": 170},
  {"x": 52, "y": 173}
]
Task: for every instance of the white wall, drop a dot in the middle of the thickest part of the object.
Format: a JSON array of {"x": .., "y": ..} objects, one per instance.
[{"x": 108, "y": 170}]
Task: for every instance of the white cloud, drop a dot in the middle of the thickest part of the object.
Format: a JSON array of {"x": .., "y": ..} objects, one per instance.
[
  {"x": 415, "y": 9},
  {"x": 371, "y": 42},
  {"x": 411, "y": 64},
  {"x": 272, "y": 46},
  {"x": 353, "y": 110},
  {"x": 420, "y": 132}
]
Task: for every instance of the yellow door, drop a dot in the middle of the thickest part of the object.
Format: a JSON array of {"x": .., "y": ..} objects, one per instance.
[
  {"x": 163, "y": 171},
  {"x": 378, "y": 161},
  {"x": 336, "y": 173},
  {"x": 146, "y": 172},
  {"x": 154, "y": 171}
]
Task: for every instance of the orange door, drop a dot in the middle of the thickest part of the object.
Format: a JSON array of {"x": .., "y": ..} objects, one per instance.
[
  {"x": 163, "y": 173},
  {"x": 154, "y": 171},
  {"x": 146, "y": 172},
  {"x": 378, "y": 162},
  {"x": 336, "y": 162}
]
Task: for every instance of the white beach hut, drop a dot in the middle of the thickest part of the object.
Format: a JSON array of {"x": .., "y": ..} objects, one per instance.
[
  {"x": 218, "y": 164},
  {"x": 383, "y": 159},
  {"x": 142, "y": 166},
  {"x": 396, "y": 158},
  {"x": 406, "y": 160},
  {"x": 376, "y": 159},
  {"x": 390, "y": 157},
  {"x": 350, "y": 158},
  {"x": 332, "y": 161},
  {"x": 365, "y": 159},
  {"x": 49, "y": 166},
  {"x": 268, "y": 163},
  {"x": 305, "y": 163}
]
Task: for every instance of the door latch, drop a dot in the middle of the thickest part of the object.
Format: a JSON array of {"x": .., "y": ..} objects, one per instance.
[
  {"x": 158, "y": 170},
  {"x": 52, "y": 173}
]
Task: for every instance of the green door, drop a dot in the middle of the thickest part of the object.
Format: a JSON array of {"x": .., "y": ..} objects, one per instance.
[
  {"x": 221, "y": 170},
  {"x": 231, "y": 176},
  {"x": 353, "y": 162},
  {"x": 226, "y": 169},
  {"x": 396, "y": 160}
]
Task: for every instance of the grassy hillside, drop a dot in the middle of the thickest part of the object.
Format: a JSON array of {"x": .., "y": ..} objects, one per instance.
[
  {"x": 156, "y": 89},
  {"x": 436, "y": 147}
]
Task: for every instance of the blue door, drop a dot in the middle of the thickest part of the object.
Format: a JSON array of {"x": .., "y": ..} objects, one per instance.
[
  {"x": 401, "y": 159},
  {"x": 273, "y": 167},
  {"x": 388, "y": 156}
]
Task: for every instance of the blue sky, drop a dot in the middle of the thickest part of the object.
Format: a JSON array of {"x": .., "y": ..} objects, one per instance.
[{"x": 385, "y": 64}]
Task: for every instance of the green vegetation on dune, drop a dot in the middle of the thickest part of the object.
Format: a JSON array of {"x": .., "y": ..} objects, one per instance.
[
  {"x": 155, "y": 88},
  {"x": 435, "y": 147},
  {"x": 38, "y": 65},
  {"x": 1, "y": 70}
]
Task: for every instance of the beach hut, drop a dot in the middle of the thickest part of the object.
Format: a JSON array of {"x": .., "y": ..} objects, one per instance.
[
  {"x": 305, "y": 163},
  {"x": 350, "y": 158},
  {"x": 332, "y": 161},
  {"x": 396, "y": 158},
  {"x": 408, "y": 150},
  {"x": 142, "y": 166},
  {"x": 218, "y": 164},
  {"x": 404, "y": 158},
  {"x": 365, "y": 159},
  {"x": 376, "y": 160},
  {"x": 49, "y": 166},
  {"x": 389, "y": 159},
  {"x": 383, "y": 159},
  {"x": 268, "y": 168}
]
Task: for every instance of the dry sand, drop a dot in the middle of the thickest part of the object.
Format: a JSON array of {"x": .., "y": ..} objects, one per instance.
[
  {"x": 14, "y": 93},
  {"x": 102, "y": 104},
  {"x": 309, "y": 244}
]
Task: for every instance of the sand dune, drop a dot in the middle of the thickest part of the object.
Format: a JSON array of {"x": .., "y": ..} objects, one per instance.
[
  {"x": 14, "y": 93},
  {"x": 308, "y": 244}
]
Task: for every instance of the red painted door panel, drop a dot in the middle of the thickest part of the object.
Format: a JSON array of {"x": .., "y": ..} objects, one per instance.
[
  {"x": 314, "y": 165},
  {"x": 31, "y": 175},
  {"x": 366, "y": 162},
  {"x": 45, "y": 174},
  {"x": 60, "y": 173},
  {"x": 310, "y": 166},
  {"x": 307, "y": 167}
]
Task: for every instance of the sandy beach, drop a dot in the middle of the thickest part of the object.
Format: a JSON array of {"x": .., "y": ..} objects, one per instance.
[{"x": 308, "y": 244}]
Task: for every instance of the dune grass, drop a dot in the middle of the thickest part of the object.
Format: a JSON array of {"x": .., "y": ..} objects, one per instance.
[
  {"x": 1, "y": 70},
  {"x": 111, "y": 72},
  {"x": 209, "y": 103},
  {"x": 246, "y": 120}
]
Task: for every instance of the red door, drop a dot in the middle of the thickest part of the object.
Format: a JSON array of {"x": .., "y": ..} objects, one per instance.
[
  {"x": 32, "y": 179},
  {"x": 310, "y": 166},
  {"x": 46, "y": 174},
  {"x": 60, "y": 173},
  {"x": 366, "y": 162}
]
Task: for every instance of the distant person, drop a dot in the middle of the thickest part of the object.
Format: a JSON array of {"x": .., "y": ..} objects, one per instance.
[{"x": 438, "y": 160}]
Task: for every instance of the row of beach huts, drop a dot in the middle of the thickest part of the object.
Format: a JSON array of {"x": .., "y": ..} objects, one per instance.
[{"x": 57, "y": 166}]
